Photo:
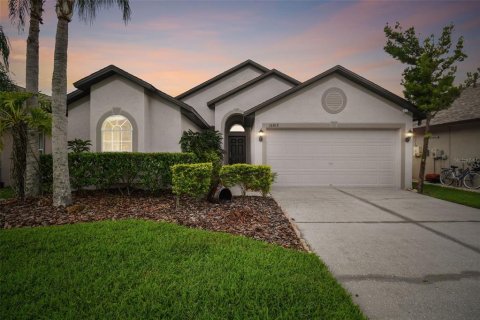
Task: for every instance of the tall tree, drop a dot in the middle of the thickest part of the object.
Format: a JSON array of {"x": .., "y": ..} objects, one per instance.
[
  {"x": 64, "y": 8},
  {"x": 19, "y": 9},
  {"x": 6, "y": 84},
  {"x": 429, "y": 77}
]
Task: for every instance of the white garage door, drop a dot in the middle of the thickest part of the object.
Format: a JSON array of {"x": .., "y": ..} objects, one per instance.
[{"x": 334, "y": 157}]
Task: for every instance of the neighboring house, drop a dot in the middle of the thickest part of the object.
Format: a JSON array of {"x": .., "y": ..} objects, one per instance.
[
  {"x": 455, "y": 134},
  {"x": 334, "y": 129}
]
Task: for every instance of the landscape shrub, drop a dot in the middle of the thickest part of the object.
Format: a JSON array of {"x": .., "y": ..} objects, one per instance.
[
  {"x": 207, "y": 146},
  {"x": 248, "y": 177},
  {"x": 202, "y": 144},
  {"x": 191, "y": 179},
  {"x": 105, "y": 170}
]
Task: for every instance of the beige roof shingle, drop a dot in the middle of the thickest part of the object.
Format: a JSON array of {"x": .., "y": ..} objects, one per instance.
[{"x": 465, "y": 107}]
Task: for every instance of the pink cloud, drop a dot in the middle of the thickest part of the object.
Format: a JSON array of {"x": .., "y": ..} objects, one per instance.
[
  {"x": 169, "y": 69},
  {"x": 193, "y": 47},
  {"x": 3, "y": 11}
]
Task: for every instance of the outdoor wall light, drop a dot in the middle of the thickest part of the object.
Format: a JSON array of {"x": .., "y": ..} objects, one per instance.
[
  {"x": 408, "y": 135},
  {"x": 260, "y": 135}
]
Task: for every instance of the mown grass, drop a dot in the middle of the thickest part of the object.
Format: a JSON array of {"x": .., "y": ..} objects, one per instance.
[
  {"x": 6, "y": 193},
  {"x": 150, "y": 270},
  {"x": 467, "y": 198}
]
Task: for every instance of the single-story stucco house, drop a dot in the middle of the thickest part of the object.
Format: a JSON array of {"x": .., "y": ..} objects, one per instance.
[
  {"x": 455, "y": 134},
  {"x": 337, "y": 128}
]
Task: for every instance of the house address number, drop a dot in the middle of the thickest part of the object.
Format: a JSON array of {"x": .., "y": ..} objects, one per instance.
[{"x": 273, "y": 125}]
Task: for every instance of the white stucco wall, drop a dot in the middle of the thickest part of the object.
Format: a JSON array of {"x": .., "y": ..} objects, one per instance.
[
  {"x": 363, "y": 108},
  {"x": 187, "y": 124},
  {"x": 79, "y": 119},
  {"x": 164, "y": 126},
  {"x": 113, "y": 93},
  {"x": 248, "y": 98},
  {"x": 199, "y": 99}
]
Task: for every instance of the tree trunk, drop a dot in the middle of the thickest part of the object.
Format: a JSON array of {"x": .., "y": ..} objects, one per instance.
[
  {"x": 32, "y": 176},
  {"x": 423, "y": 160},
  {"x": 62, "y": 195}
]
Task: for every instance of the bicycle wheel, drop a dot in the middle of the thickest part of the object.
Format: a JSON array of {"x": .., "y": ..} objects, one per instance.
[
  {"x": 472, "y": 180},
  {"x": 447, "y": 177}
]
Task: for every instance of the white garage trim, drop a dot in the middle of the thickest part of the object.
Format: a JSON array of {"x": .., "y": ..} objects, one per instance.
[{"x": 373, "y": 154}]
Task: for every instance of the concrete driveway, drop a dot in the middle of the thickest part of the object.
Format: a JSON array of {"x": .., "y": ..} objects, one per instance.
[{"x": 400, "y": 254}]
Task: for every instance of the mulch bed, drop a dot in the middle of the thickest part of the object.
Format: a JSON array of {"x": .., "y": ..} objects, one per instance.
[{"x": 256, "y": 217}]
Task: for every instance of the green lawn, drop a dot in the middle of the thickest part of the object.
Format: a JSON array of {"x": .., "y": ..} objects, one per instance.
[
  {"x": 6, "y": 193},
  {"x": 151, "y": 270},
  {"x": 467, "y": 198}
]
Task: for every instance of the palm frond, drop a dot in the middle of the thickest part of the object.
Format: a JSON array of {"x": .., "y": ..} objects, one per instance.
[
  {"x": 18, "y": 11},
  {"x": 44, "y": 103},
  {"x": 40, "y": 120},
  {"x": 13, "y": 112},
  {"x": 6, "y": 84},
  {"x": 87, "y": 9},
  {"x": 4, "y": 48}
]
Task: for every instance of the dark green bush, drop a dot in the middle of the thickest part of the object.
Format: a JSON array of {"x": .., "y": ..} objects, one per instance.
[
  {"x": 192, "y": 179},
  {"x": 202, "y": 144},
  {"x": 105, "y": 170},
  {"x": 248, "y": 177}
]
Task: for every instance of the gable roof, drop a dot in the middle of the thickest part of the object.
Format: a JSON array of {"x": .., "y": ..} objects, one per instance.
[
  {"x": 465, "y": 108},
  {"x": 84, "y": 85},
  {"x": 222, "y": 75},
  {"x": 352, "y": 76},
  {"x": 273, "y": 72}
]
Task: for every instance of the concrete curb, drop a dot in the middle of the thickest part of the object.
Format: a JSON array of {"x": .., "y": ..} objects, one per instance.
[{"x": 461, "y": 188}]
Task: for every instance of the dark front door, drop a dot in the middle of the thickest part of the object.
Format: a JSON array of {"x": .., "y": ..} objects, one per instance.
[{"x": 237, "y": 149}]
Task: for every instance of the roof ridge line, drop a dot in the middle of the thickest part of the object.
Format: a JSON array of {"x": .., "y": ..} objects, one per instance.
[
  {"x": 350, "y": 75},
  {"x": 112, "y": 69},
  {"x": 223, "y": 75},
  {"x": 251, "y": 82}
]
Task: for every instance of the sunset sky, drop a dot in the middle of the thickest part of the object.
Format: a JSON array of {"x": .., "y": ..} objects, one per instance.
[{"x": 176, "y": 45}]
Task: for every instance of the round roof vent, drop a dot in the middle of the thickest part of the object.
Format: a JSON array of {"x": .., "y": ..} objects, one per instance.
[{"x": 334, "y": 100}]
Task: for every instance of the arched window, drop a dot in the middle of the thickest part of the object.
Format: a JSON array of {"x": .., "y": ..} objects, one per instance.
[
  {"x": 117, "y": 134},
  {"x": 237, "y": 128}
]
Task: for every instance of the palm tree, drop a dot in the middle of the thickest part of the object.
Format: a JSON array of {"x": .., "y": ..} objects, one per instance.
[
  {"x": 6, "y": 83},
  {"x": 62, "y": 195},
  {"x": 14, "y": 119},
  {"x": 19, "y": 9}
]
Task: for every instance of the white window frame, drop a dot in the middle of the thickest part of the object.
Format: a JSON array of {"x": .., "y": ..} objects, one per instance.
[{"x": 113, "y": 143}]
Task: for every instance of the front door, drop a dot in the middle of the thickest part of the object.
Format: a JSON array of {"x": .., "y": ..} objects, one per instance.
[{"x": 237, "y": 149}]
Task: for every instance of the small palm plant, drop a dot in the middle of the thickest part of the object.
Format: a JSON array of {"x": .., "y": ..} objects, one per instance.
[
  {"x": 78, "y": 145},
  {"x": 15, "y": 118}
]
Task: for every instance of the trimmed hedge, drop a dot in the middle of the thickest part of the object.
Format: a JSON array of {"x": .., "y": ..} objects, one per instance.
[
  {"x": 105, "y": 170},
  {"x": 248, "y": 177},
  {"x": 192, "y": 179}
]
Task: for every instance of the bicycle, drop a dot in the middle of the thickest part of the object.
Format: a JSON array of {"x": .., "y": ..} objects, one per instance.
[{"x": 469, "y": 177}]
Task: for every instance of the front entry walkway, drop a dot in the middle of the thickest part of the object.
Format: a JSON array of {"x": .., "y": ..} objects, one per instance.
[{"x": 401, "y": 255}]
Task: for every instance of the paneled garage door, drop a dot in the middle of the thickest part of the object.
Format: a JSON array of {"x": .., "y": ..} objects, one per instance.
[{"x": 334, "y": 157}]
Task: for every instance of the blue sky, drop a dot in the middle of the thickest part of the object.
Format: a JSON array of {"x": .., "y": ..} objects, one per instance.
[{"x": 177, "y": 44}]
